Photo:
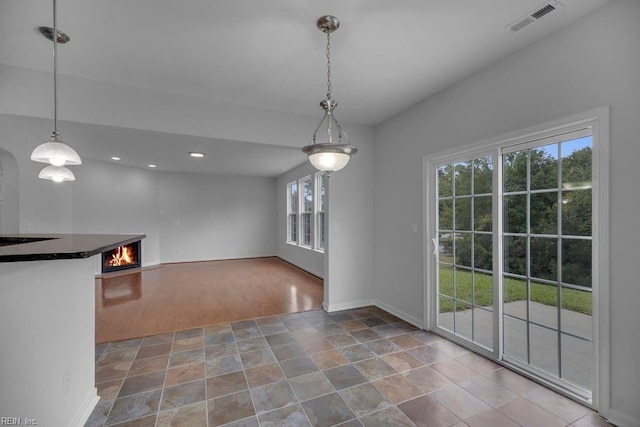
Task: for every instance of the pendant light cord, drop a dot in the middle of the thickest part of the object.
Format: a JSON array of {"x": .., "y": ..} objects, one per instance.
[
  {"x": 328, "y": 65},
  {"x": 55, "y": 70}
]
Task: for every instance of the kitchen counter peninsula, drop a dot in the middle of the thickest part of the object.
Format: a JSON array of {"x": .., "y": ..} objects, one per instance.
[{"x": 47, "y": 325}]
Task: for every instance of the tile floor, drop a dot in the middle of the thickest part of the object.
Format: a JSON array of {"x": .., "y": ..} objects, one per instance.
[{"x": 352, "y": 368}]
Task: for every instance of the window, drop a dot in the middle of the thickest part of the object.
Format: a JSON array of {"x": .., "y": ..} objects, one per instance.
[
  {"x": 292, "y": 212},
  {"x": 320, "y": 203},
  {"x": 306, "y": 210}
]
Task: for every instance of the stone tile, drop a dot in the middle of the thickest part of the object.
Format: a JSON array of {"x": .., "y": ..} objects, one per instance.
[
  {"x": 185, "y": 416},
  {"x": 364, "y": 399},
  {"x": 292, "y": 416},
  {"x": 329, "y": 359},
  {"x": 294, "y": 325},
  {"x": 132, "y": 344},
  {"x": 251, "y": 359},
  {"x": 558, "y": 405},
  {"x": 375, "y": 368},
  {"x": 188, "y": 357},
  {"x": 428, "y": 354},
  {"x": 187, "y": 344},
  {"x": 406, "y": 341},
  {"x": 273, "y": 329},
  {"x": 397, "y": 388},
  {"x": 426, "y": 379},
  {"x": 427, "y": 337},
  {"x": 592, "y": 420},
  {"x": 245, "y": 334},
  {"x": 328, "y": 330},
  {"x": 425, "y": 411},
  {"x": 134, "y": 406},
  {"x": 220, "y": 350},
  {"x": 352, "y": 325},
  {"x": 222, "y": 365},
  {"x": 356, "y": 353},
  {"x": 189, "y": 333},
  {"x": 340, "y": 317},
  {"x": 99, "y": 414},
  {"x": 280, "y": 339},
  {"x": 359, "y": 313},
  {"x": 100, "y": 348},
  {"x": 109, "y": 390},
  {"x": 142, "y": 383},
  {"x": 492, "y": 418},
  {"x": 184, "y": 374},
  {"x": 271, "y": 320},
  {"x": 387, "y": 417},
  {"x": 344, "y": 376},
  {"x": 373, "y": 321},
  {"x": 490, "y": 391},
  {"x": 315, "y": 345},
  {"x": 111, "y": 358},
  {"x": 233, "y": 407},
  {"x": 226, "y": 384},
  {"x": 400, "y": 324},
  {"x": 157, "y": 339},
  {"x": 148, "y": 421},
  {"x": 402, "y": 361},
  {"x": 477, "y": 363},
  {"x": 342, "y": 340},
  {"x": 454, "y": 370},
  {"x": 154, "y": 350},
  {"x": 112, "y": 372},
  {"x": 265, "y": 374},
  {"x": 449, "y": 348},
  {"x": 366, "y": 335},
  {"x": 217, "y": 329},
  {"x": 387, "y": 331},
  {"x": 459, "y": 401},
  {"x": 246, "y": 324},
  {"x": 382, "y": 347},
  {"x": 272, "y": 396},
  {"x": 298, "y": 366},
  {"x": 306, "y": 334},
  {"x": 223, "y": 338},
  {"x": 310, "y": 385},
  {"x": 327, "y": 410},
  {"x": 351, "y": 423},
  {"x": 528, "y": 414},
  {"x": 183, "y": 394},
  {"x": 247, "y": 422},
  {"x": 151, "y": 364},
  {"x": 252, "y": 344},
  {"x": 514, "y": 382},
  {"x": 288, "y": 351}
]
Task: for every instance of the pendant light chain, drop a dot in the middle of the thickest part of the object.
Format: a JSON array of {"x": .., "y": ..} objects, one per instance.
[
  {"x": 55, "y": 69},
  {"x": 329, "y": 65}
]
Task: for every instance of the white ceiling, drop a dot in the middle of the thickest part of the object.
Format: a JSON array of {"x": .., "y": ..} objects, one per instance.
[{"x": 387, "y": 56}]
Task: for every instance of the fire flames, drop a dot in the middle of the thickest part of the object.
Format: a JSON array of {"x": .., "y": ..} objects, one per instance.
[{"x": 123, "y": 256}]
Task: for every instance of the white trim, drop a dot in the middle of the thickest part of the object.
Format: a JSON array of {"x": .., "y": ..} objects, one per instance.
[
  {"x": 399, "y": 313},
  {"x": 85, "y": 410},
  {"x": 330, "y": 308},
  {"x": 622, "y": 420}
]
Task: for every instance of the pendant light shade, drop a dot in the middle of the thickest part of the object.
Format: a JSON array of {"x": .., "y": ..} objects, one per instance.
[
  {"x": 330, "y": 149},
  {"x": 57, "y": 174},
  {"x": 56, "y": 153}
]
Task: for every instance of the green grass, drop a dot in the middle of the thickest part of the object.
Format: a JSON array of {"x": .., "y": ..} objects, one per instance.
[{"x": 514, "y": 290}]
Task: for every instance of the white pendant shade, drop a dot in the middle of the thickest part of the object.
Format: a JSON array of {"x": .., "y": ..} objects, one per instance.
[
  {"x": 57, "y": 174},
  {"x": 329, "y": 162},
  {"x": 56, "y": 153}
]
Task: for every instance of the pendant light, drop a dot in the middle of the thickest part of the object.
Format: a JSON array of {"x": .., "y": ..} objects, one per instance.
[
  {"x": 330, "y": 149},
  {"x": 55, "y": 151}
]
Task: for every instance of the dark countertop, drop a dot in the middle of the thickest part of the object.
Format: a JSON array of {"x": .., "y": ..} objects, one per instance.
[{"x": 40, "y": 247}]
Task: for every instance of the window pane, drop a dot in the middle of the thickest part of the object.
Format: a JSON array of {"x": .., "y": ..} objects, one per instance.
[
  {"x": 463, "y": 213},
  {"x": 482, "y": 213},
  {"x": 483, "y": 251},
  {"x": 306, "y": 229},
  {"x": 445, "y": 181},
  {"x": 463, "y": 319},
  {"x": 445, "y": 248},
  {"x": 576, "y": 213},
  {"x": 307, "y": 195},
  {"x": 576, "y": 360},
  {"x": 544, "y": 213},
  {"x": 445, "y": 313},
  {"x": 515, "y": 255},
  {"x": 293, "y": 197},
  {"x": 544, "y": 349},
  {"x": 483, "y": 289},
  {"x": 483, "y": 176},
  {"x": 463, "y": 285},
  {"x": 463, "y": 179},
  {"x": 543, "y": 308},
  {"x": 576, "y": 312},
  {"x": 321, "y": 184},
  {"x": 544, "y": 258},
  {"x": 515, "y": 296},
  {"x": 483, "y": 327},
  {"x": 576, "y": 262},
  {"x": 321, "y": 225},
  {"x": 515, "y": 338},
  {"x": 515, "y": 214},
  {"x": 293, "y": 228},
  {"x": 544, "y": 167},
  {"x": 445, "y": 280},
  {"x": 515, "y": 171},
  {"x": 463, "y": 249},
  {"x": 445, "y": 214},
  {"x": 576, "y": 163}
]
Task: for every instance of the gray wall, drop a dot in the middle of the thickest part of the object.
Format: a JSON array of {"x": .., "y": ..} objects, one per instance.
[{"x": 591, "y": 63}]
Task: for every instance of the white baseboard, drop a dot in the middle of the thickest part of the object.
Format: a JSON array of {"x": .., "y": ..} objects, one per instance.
[
  {"x": 622, "y": 420},
  {"x": 85, "y": 410},
  {"x": 329, "y": 308},
  {"x": 399, "y": 313}
]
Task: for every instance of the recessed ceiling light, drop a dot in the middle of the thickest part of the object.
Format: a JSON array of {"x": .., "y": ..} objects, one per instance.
[
  {"x": 196, "y": 154},
  {"x": 152, "y": 166},
  {"x": 115, "y": 158}
]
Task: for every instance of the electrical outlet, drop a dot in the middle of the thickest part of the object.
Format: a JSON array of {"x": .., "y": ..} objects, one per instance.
[
  {"x": 118, "y": 190},
  {"x": 66, "y": 381}
]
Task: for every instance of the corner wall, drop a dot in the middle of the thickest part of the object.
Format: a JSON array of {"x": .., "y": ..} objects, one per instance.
[{"x": 593, "y": 62}]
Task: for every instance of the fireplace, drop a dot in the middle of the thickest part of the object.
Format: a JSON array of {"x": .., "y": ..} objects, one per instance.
[{"x": 122, "y": 258}]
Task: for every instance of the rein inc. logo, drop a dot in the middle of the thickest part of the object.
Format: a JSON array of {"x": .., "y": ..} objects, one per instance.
[{"x": 18, "y": 421}]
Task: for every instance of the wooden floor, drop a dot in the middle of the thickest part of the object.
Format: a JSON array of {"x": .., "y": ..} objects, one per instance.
[{"x": 176, "y": 297}]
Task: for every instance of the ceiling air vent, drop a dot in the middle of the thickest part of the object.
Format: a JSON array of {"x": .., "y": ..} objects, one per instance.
[{"x": 534, "y": 15}]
